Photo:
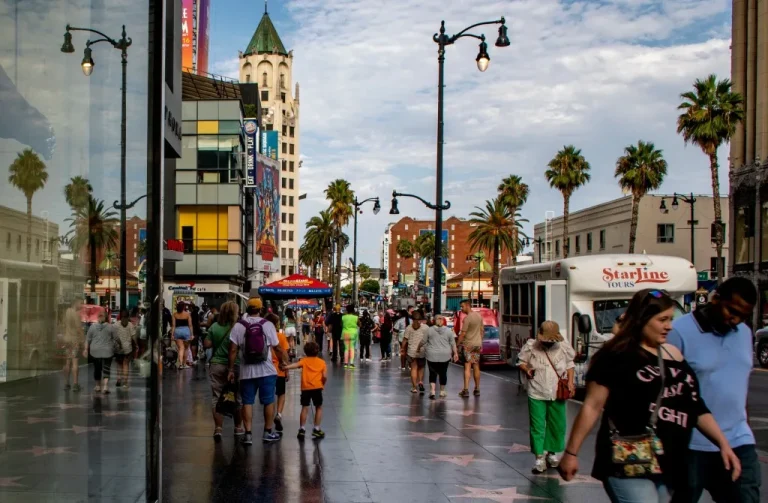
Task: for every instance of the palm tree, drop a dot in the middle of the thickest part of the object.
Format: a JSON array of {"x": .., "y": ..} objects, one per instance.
[
  {"x": 319, "y": 238},
  {"x": 514, "y": 194},
  {"x": 310, "y": 256},
  {"x": 108, "y": 264},
  {"x": 566, "y": 172},
  {"x": 640, "y": 170},
  {"x": 365, "y": 271},
  {"x": 28, "y": 174},
  {"x": 341, "y": 197},
  {"x": 496, "y": 231},
  {"x": 77, "y": 192},
  {"x": 405, "y": 251},
  {"x": 93, "y": 226},
  {"x": 710, "y": 115}
]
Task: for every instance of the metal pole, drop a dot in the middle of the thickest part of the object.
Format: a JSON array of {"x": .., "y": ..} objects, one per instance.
[
  {"x": 692, "y": 203},
  {"x": 438, "y": 270},
  {"x": 354, "y": 259},
  {"x": 123, "y": 230}
]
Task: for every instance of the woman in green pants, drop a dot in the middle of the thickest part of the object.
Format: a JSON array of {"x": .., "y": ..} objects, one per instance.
[
  {"x": 349, "y": 324},
  {"x": 544, "y": 360}
]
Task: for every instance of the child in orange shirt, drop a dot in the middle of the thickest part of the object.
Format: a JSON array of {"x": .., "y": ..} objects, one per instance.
[
  {"x": 313, "y": 378},
  {"x": 282, "y": 374}
]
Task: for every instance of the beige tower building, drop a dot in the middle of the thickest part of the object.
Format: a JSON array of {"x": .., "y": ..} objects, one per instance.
[
  {"x": 749, "y": 149},
  {"x": 266, "y": 62}
]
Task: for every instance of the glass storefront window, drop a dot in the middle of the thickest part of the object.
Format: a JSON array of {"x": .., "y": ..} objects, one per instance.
[{"x": 743, "y": 236}]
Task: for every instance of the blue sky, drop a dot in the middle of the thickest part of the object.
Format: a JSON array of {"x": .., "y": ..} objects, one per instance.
[{"x": 598, "y": 74}]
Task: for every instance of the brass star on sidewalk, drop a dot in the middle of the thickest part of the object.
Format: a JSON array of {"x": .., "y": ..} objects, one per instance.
[
  {"x": 486, "y": 427},
  {"x": 10, "y": 482},
  {"x": 505, "y": 495},
  {"x": 412, "y": 419},
  {"x": 456, "y": 459},
  {"x": 465, "y": 413},
  {"x": 83, "y": 429},
  {"x": 38, "y": 451},
  {"x": 431, "y": 436},
  {"x": 578, "y": 479},
  {"x": 512, "y": 449}
]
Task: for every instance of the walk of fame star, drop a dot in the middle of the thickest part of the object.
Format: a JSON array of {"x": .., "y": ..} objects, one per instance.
[
  {"x": 505, "y": 495},
  {"x": 113, "y": 413},
  {"x": 465, "y": 413},
  {"x": 512, "y": 449},
  {"x": 83, "y": 429},
  {"x": 456, "y": 459},
  {"x": 412, "y": 419},
  {"x": 486, "y": 427},
  {"x": 431, "y": 436},
  {"x": 578, "y": 479},
  {"x": 38, "y": 451},
  {"x": 395, "y": 406},
  {"x": 67, "y": 406},
  {"x": 10, "y": 482},
  {"x": 36, "y": 420}
]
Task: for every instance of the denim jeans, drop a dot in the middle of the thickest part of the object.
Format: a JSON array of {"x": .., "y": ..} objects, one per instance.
[
  {"x": 635, "y": 490},
  {"x": 706, "y": 472}
]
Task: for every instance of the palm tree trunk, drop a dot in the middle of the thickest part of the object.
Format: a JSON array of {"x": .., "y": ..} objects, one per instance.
[
  {"x": 29, "y": 229},
  {"x": 338, "y": 267},
  {"x": 633, "y": 224},
  {"x": 718, "y": 214},
  {"x": 94, "y": 270},
  {"x": 515, "y": 251},
  {"x": 496, "y": 264},
  {"x": 326, "y": 265},
  {"x": 566, "y": 204}
]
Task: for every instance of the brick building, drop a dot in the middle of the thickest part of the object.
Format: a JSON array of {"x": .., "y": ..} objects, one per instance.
[
  {"x": 456, "y": 233},
  {"x": 137, "y": 229}
]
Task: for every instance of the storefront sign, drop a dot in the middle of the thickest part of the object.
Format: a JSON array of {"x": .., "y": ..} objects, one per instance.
[{"x": 251, "y": 130}]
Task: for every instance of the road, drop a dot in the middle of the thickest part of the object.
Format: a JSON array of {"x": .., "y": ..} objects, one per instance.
[{"x": 757, "y": 399}]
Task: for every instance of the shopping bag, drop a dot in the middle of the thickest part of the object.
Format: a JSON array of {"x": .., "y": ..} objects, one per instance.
[{"x": 227, "y": 403}]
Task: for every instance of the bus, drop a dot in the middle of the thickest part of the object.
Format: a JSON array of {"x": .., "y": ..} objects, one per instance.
[
  {"x": 584, "y": 295},
  {"x": 29, "y": 301}
]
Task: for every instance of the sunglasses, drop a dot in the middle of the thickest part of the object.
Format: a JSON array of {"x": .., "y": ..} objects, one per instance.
[{"x": 658, "y": 294}]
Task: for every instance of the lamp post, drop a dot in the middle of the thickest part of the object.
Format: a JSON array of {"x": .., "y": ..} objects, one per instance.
[
  {"x": 438, "y": 269},
  {"x": 442, "y": 40},
  {"x": 87, "y": 65},
  {"x": 690, "y": 201},
  {"x": 376, "y": 208}
]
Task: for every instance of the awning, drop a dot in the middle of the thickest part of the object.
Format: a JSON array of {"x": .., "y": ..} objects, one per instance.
[{"x": 296, "y": 286}]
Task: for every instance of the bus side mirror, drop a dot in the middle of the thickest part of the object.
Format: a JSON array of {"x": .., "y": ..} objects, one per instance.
[{"x": 585, "y": 324}]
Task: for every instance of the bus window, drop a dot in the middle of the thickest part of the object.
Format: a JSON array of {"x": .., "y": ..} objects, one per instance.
[
  {"x": 606, "y": 312},
  {"x": 507, "y": 299},
  {"x": 541, "y": 307},
  {"x": 525, "y": 300}
]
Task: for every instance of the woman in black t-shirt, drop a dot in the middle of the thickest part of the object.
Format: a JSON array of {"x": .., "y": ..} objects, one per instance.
[{"x": 624, "y": 380}]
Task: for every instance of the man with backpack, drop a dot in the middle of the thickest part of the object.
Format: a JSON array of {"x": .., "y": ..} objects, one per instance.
[{"x": 255, "y": 338}]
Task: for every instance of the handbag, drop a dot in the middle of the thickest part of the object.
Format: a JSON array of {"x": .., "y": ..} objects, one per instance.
[
  {"x": 227, "y": 403},
  {"x": 637, "y": 455},
  {"x": 563, "y": 390}
]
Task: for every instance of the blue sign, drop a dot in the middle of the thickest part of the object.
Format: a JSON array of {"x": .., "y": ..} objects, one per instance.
[
  {"x": 142, "y": 238},
  {"x": 269, "y": 143},
  {"x": 251, "y": 129}
]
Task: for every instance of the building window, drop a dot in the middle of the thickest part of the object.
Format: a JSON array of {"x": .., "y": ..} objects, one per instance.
[
  {"x": 744, "y": 235},
  {"x": 290, "y": 166},
  {"x": 282, "y": 97},
  {"x": 284, "y": 182},
  {"x": 285, "y": 130},
  {"x": 292, "y": 131},
  {"x": 285, "y": 148},
  {"x": 589, "y": 241},
  {"x": 557, "y": 248},
  {"x": 290, "y": 218},
  {"x": 290, "y": 183},
  {"x": 290, "y": 253},
  {"x": 567, "y": 247},
  {"x": 247, "y": 77},
  {"x": 18, "y": 243},
  {"x": 188, "y": 238},
  {"x": 37, "y": 247},
  {"x": 282, "y": 252},
  {"x": 290, "y": 236},
  {"x": 282, "y": 270},
  {"x": 282, "y": 233},
  {"x": 290, "y": 200},
  {"x": 578, "y": 244},
  {"x": 8, "y": 241},
  {"x": 264, "y": 80},
  {"x": 291, "y": 149},
  {"x": 285, "y": 165},
  {"x": 549, "y": 246},
  {"x": 665, "y": 233},
  {"x": 283, "y": 197},
  {"x": 406, "y": 228},
  {"x": 264, "y": 95},
  {"x": 282, "y": 82},
  {"x": 282, "y": 216},
  {"x": 763, "y": 233},
  {"x": 602, "y": 239}
]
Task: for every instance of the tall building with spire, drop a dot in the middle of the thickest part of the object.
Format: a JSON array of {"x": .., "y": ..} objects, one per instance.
[{"x": 266, "y": 62}]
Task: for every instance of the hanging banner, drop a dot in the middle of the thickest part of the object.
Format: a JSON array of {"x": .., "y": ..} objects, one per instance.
[
  {"x": 203, "y": 21},
  {"x": 267, "y": 206},
  {"x": 251, "y": 130},
  {"x": 269, "y": 142},
  {"x": 187, "y": 53}
]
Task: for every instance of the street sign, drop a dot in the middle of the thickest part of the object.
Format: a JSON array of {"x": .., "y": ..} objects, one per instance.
[{"x": 703, "y": 276}]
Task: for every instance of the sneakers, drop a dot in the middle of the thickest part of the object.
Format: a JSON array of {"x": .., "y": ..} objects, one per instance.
[
  {"x": 346, "y": 365},
  {"x": 431, "y": 396},
  {"x": 464, "y": 393},
  {"x": 270, "y": 436},
  {"x": 421, "y": 388},
  {"x": 301, "y": 434},
  {"x": 443, "y": 394},
  {"x": 414, "y": 390},
  {"x": 476, "y": 392},
  {"x": 76, "y": 388},
  {"x": 552, "y": 460},
  {"x": 239, "y": 432},
  {"x": 217, "y": 435},
  {"x": 278, "y": 422},
  {"x": 540, "y": 466},
  {"x": 318, "y": 434},
  {"x": 368, "y": 360},
  {"x": 352, "y": 365},
  {"x": 248, "y": 438},
  {"x": 402, "y": 368}
]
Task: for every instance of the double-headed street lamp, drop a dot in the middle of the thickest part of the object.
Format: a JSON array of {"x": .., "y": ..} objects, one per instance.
[
  {"x": 438, "y": 269},
  {"x": 442, "y": 40},
  {"x": 87, "y": 64},
  {"x": 376, "y": 208}
]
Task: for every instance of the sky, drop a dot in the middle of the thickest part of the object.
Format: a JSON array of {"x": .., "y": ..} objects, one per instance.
[{"x": 599, "y": 74}]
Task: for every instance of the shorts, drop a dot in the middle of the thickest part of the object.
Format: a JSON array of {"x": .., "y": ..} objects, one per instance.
[
  {"x": 71, "y": 350},
  {"x": 123, "y": 358},
  {"x": 218, "y": 378},
  {"x": 264, "y": 386},
  {"x": 313, "y": 395},
  {"x": 420, "y": 362},
  {"x": 472, "y": 354},
  {"x": 182, "y": 333},
  {"x": 280, "y": 386},
  {"x": 290, "y": 331},
  {"x": 305, "y": 329}
]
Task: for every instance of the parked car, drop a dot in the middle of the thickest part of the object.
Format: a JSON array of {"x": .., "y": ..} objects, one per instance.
[
  {"x": 491, "y": 352},
  {"x": 761, "y": 347}
]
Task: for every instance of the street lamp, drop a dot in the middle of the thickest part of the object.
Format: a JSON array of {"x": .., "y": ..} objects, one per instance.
[
  {"x": 483, "y": 59},
  {"x": 376, "y": 208},
  {"x": 87, "y": 65},
  {"x": 438, "y": 269},
  {"x": 690, "y": 201}
]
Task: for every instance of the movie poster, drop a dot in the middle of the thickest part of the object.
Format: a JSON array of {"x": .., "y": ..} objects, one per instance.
[
  {"x": 203, "y": 22},
  {"x": 187, "y": 54},
  {"x": 267, "y": 205}
]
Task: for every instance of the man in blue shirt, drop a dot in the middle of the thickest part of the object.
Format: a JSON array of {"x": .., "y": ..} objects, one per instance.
[{"x": 718, "y": 345}]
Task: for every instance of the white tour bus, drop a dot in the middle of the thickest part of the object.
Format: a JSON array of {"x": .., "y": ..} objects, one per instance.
[
  {"x": 584, "y": 295},
  {"x": 29, "y": 298}
]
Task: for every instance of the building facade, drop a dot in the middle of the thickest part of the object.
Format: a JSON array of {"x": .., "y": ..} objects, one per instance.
[
  {"x": 662, "y": 229},
  {"x": 13, "y": 233},
  {"x": 748, "y": 236},
  {"x": 267, "y": 62}
]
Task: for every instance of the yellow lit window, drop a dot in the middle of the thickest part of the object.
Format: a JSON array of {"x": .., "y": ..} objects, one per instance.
[{"x": 208, "y": 127}]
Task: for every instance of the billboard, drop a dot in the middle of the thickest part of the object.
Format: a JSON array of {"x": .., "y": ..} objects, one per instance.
[
  {"x": 269, "y": 143},
  {"x": 424, "y": 260},
  {"x": 251, "y": 131},
  {"x": 267, "y": 207},
  {"x": 203, "y": 22},
  {"x": 187, "y": 52}
]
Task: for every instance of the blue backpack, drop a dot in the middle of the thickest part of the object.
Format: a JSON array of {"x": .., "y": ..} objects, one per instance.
[{"x": 255, "y": 349}]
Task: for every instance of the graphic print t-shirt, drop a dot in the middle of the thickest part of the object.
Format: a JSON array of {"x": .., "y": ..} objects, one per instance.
[{"x": 633, "y": 380}]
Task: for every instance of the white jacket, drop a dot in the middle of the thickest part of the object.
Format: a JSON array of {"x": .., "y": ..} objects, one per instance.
[{"x": 543, "y": 386}]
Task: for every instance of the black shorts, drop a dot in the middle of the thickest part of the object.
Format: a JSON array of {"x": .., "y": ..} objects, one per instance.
[
  {"x": 314, "y": 395},
  {"x": 305, "y": 329},
  {"x": 121, "y": 358},
  {"x": 280, "y": 386}
]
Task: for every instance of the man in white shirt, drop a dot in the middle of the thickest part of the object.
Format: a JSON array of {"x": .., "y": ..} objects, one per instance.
[{"x": 256, "y": 378}]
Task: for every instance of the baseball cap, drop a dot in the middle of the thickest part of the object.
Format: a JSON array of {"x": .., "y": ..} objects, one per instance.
[{"x": 255, "y": 303}]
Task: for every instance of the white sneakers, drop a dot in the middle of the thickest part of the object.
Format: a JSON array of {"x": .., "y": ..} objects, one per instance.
[
  {"x": 552, "y": 460},
  {"x": 541, "y": 464}
]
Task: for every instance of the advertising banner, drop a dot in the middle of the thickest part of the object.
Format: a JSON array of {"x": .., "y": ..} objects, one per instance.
[
  {"x": 251, "y": 130},
  {"x": 269, "y": 143},
  {"x": 187, "y": 54},
  {"x": 203, "y": 22},
  {"x": 267, "y": 206}
]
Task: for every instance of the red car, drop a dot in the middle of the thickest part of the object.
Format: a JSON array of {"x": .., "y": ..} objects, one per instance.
[{"x": 491, "y": 352}]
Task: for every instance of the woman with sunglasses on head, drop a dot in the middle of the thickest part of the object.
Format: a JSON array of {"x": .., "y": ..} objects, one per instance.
[{"x": 651, "y": 401}]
